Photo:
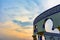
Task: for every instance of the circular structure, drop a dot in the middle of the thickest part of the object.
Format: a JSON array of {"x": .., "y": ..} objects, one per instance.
[{"x": 52, "y": 14}]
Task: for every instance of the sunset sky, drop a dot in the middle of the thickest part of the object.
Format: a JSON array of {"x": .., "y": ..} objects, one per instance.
[{"x": 16, "y": 17}]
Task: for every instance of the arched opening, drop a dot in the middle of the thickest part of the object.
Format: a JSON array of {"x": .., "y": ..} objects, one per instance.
[{"x": 48, "y": 25}]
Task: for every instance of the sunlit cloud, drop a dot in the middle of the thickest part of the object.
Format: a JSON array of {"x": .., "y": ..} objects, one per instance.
[
  {"x": 11, "y": 29},
  {"x": 22, "y": 11},
  {"x": 50, "y": 3}
]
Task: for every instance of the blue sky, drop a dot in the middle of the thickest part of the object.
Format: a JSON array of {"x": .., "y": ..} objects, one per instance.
[
  {"x": 16, "y": 7},
  {"x": 23, "y": 11}
]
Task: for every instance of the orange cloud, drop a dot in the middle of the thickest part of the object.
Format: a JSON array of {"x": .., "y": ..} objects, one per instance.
[{"x": 9, "y": 29}]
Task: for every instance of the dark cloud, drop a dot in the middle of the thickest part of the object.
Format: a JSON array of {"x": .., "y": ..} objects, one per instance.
[
  {"x": 22, "y": 23},
  {"x": 30, "y": 18}
]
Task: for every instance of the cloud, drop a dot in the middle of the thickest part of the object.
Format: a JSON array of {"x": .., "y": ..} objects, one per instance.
[
  {"x": 22, "y": 23},
  {"x": 10, "y": 30},
  {"x": 49, "y": 3},
  {"x": 23, "y": 12},
  {"x": 23, "y": 18},
  {"x": 12, "y": 9}
]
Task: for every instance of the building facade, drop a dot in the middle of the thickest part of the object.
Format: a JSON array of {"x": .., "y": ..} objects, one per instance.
[{"x": 39, "y": 24}]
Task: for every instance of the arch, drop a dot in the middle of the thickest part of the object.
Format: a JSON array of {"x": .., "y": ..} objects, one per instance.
[
  {"x": 48, "y": 22},
  {"x": 43, "y": 17}
]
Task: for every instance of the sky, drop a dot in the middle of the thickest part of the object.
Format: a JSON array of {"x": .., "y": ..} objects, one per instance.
[{"x": 17, "y": 16}]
